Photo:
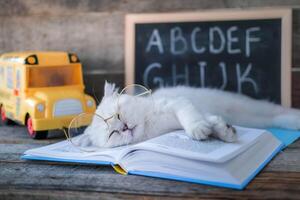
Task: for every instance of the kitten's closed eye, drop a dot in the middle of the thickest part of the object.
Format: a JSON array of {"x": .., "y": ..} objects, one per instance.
[{"x": 114, "y": 131}]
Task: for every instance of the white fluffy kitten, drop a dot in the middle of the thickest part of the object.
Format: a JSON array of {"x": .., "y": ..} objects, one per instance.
[{"x": 200, "y": 112}]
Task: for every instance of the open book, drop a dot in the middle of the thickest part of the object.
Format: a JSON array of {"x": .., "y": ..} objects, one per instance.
[{"x": 176, "y": 156}]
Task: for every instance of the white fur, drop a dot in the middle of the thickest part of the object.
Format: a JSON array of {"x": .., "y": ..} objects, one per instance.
[{"x": 200, "y": 112}]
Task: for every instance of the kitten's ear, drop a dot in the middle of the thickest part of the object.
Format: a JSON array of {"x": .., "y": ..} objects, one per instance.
[{"x": 110, "y": 89}]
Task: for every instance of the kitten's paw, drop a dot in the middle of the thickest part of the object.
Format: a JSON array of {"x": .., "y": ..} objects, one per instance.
[
  {"x": 222, "y": 130},
  {"x": 82, "y": 140},
  {"x": 199, "y": 130},
  {"x": 227, "y": 134}
]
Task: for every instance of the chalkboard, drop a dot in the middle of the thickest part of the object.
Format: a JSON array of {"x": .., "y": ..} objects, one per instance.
[{"x": 242, "y": 51}]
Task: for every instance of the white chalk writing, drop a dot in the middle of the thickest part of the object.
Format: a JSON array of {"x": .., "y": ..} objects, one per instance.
[
  {"x": 250, "y": 39},
  {"x": 177, "y": 38},
  {"x": 244, "y": 78},
  {"x": 206, "y": 42},
  {"x": 231, "y": 40},
  {"x": 155, "y": 40},
  {"x": 193, "y": 41},
  {"x": 212, "y": 48}
]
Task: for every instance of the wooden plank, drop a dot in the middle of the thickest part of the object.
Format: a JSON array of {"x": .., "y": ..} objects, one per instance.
[
  {"x": 89, "y": 179},
  {"x": 295, "y": 145},
  {"x": 286, "y": 161},
  {"x": 21, "y": 194},
  {"x": 285, "y": 187}
]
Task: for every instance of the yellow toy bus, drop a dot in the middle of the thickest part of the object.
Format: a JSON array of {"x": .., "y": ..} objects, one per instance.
[{"x": 42, "y": 90}]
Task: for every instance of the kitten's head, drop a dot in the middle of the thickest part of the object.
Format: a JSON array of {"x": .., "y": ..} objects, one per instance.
[{"x": 125, "y": 116}]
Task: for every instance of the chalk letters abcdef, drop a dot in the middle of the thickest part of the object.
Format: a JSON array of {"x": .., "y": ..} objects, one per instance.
[{"x": 230, "y": 55}]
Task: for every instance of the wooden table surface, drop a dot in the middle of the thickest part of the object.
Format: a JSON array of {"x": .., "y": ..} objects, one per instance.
[{"x": 43, "y": 180}]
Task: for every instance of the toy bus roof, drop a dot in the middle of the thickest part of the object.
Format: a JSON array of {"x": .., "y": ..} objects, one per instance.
[
  {"x": 25, "y": 54},
  {"x": 20, "y": 57}
]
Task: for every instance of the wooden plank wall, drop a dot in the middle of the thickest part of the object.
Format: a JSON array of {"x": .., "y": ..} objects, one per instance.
[{"x": 94, "y": 29}]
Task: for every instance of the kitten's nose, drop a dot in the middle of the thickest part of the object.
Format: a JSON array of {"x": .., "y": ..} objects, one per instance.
[{"x": 125, "y": 127}]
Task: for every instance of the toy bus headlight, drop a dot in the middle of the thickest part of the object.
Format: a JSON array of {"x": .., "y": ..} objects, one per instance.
[
  {"x": 40, "y": 107},
  {"x": 89, "y": 103}
]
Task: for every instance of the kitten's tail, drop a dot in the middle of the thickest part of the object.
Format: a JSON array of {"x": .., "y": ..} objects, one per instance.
[{"x": 262, "y": 114}]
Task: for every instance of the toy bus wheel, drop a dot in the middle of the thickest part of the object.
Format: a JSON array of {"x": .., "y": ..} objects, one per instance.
[
  {"x": 35, "y": 134},
  {"x": 4, "y": 120}
]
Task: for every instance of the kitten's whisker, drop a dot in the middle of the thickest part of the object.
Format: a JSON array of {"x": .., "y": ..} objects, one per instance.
[{"x": 126, "y": 139}]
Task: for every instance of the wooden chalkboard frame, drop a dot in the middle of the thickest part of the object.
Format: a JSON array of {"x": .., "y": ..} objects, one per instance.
[{"x": 285, "y": 14}]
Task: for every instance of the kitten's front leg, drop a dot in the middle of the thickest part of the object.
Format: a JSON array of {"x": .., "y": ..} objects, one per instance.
[
  {"x": 199, "y": 126},
  {"x": 191, "y": 120}
]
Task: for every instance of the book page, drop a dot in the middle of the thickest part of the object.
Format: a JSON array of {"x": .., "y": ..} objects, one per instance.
[
  {"x": 67, "y": 151},
  {"x": 214, "y": 150}
]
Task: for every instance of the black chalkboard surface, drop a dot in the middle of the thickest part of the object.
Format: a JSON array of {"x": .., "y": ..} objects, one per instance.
[{"x": 240, "y": 55}]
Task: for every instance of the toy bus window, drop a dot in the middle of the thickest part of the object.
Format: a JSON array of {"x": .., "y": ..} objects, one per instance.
[
  {"x": 18, "y": 79},
  {"x": 9, "y": 77},
  {"x": 54, "y": 76},
  {"x": 1, "y": 74}
]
